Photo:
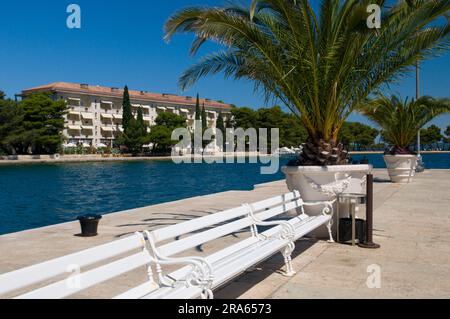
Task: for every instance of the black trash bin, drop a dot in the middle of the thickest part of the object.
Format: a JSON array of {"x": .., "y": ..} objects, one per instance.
[
  {"x": 345, "y": 230},
  {"x": 89, "y": 225}
]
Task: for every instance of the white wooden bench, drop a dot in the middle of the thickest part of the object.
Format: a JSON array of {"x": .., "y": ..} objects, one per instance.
[
  {"x": 221, "y": 267},
  {"x": 158, "y": 249},
  {"x": 74, "y": 279}
]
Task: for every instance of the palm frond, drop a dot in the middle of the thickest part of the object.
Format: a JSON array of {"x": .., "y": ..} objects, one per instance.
[
  {"x": 400, "y": 120},
  {"x": 323, "y": 65}
]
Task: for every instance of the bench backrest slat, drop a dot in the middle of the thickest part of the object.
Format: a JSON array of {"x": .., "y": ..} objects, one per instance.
[
  {"x": 204, "y": 237},
  {"x": 276, "y": 201},
  {"x": 34, "y": 274},
  {"x": 220, "y": 231},
  {"x": 174, "y": 231},
  {"x": 83, "y": 281}
]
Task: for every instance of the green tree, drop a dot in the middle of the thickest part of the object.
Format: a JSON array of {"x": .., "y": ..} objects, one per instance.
[
  {"x": 357, "y": 135},
  {"x": 323, "y": 65},
  {"x": 11, "y": 129},
  {"x": 221, "y": 127},
  {"x": 243, "y": 117},
  {"x": 43, "y": 123},
  {"x": 204, "y": 119},
  {"x": 126, "y": 107},
  {"x": 142, "y": 127},
  {"x": 161, "y": 138},
  {"x": 171, "y": 121},
  {"x": 229, "y": 122},
  {"x": 204, "y": 126},
  {"x": 136, "y": 135},
  {"x": 270, "y": 118},
  {"x": 134, "y": 138},
  {"x": 2, "y": 95},
  {"x": 400, "y": 121},
  {"x": 431, "y": 135},
  {"x": 292, "y": 132},
  {"x": 198, "y": 111},
  {"x": 447, "y": 133},
  {"x": 161, "y": 133}
]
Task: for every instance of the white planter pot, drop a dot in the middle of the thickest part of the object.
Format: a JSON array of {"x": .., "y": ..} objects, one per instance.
[
  {"x": 317, "y": 183},
  {"x": 401, "y": 168}
]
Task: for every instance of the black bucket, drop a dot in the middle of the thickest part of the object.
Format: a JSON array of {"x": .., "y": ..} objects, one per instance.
[
  {"x": 345, "y": 230},
  {"x": 89, "y": 225}
]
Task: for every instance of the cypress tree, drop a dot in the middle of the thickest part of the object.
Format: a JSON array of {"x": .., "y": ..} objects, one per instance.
[
  {"x": 127, "y": 114},
  {"x": 204, "y": 119},
  {"x": 140, "y": 122},
  {"x": 221, "y": 127},
  {"x": 197, "y": 109},
  {"x": 197, "y": 125},
  {"x": 204, "y": 125}
]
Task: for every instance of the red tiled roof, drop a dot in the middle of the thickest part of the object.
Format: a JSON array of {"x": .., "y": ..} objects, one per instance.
[{"x": 118, "y": 93}]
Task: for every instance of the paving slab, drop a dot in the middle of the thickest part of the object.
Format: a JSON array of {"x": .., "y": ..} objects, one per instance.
[{"x": 412, "y": 225}]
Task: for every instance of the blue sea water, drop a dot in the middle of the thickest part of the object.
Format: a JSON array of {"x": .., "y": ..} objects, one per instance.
[{"x": 33, "y": 196}]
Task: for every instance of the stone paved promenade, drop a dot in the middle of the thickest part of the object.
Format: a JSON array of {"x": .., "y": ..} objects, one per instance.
[{"x": 412, "y": 224}]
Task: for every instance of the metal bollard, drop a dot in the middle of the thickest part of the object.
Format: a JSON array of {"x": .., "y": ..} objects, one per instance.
[{"x": 369, "y": 211}]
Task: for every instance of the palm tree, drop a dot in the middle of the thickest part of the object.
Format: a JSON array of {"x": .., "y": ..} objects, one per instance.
[
  {"x": 323, "y": 65},
  {"x": 400, "y": 120}
]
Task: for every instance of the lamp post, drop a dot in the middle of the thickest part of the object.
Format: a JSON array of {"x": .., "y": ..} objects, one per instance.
[{"x": 420, "y": 165}]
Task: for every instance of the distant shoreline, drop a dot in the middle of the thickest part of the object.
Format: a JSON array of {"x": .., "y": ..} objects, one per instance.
[
  {"x": 45, "y": 159},
  {"x": 381, "y": 152}
]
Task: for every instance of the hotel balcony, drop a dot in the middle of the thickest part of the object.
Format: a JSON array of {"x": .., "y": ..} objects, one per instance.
[
  {"x": 106, "y": 105},
  {"x": 73, "y": 118},
  {"x": 145, "y": 109},
  {"x": 73, "y": 102},
  {"x": 80, "y": 131},
  {"x": 73, "y": 130},
  {"x": 107, "y": 118},
  {"x": 87, "y": 117},
  {"x": 211, "y": 114},
  {"x": 117, "y": 119},
  {"x": 107, "y": 131},
  {"x": 87, "y": 130},
  {"x": 161, "y": 109},
  {"x": 185, "y": 113}
]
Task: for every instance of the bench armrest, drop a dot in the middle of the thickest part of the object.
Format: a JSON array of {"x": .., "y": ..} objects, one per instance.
[
  {"x": 327, "y": 210},
  {"x": 287, "y": 232},
  {"x": 201, "y": 275}
]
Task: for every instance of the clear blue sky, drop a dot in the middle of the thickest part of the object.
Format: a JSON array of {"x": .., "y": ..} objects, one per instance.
[{"x": 121, "y": 42}]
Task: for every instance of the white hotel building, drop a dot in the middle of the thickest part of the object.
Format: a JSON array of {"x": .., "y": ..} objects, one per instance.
[{"x": 95, "y": 112}]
